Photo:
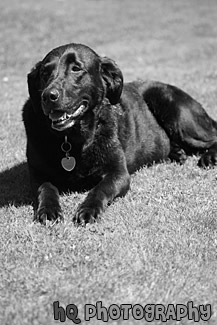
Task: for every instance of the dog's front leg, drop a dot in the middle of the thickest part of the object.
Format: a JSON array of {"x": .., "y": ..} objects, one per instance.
[
  {"x": 46, "y": 199},
  {"x": 111, "y": 186},
  {"x": 48, "y": 204}
]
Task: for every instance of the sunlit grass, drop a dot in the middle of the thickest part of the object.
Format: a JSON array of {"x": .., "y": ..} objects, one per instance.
[{"x": 156, "y": 245}]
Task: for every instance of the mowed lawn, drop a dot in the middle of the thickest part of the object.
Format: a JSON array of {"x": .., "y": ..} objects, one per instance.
[{"x": 158, "y": 245}]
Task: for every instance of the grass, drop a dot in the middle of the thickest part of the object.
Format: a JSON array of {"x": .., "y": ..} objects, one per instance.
[{"x": 158, "y": 245}]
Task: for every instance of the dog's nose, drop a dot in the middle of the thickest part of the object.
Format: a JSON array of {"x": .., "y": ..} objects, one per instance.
[
  {"x": 51, "y": 95},
  {"x": 54, "y": 95}
]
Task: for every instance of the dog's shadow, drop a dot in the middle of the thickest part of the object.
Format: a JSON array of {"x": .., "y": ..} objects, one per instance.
[{"x": 14, "y": 186}]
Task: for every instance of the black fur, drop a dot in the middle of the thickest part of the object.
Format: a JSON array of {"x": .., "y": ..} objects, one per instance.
[{"x": 117, "y": 129}]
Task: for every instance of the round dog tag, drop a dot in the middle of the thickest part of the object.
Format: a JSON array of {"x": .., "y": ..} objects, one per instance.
[{"x": 68, "y": 163}]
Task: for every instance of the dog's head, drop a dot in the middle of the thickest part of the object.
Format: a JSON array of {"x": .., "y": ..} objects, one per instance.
[{"x": 70, "y": 81}]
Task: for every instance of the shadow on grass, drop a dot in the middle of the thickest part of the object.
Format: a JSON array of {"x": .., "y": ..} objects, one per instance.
[{"x": 14, "y": 186}]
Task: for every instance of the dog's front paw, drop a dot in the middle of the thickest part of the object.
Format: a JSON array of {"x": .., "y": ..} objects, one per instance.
[
  {"x": 86, "y": 214},
  {"x": 51, "y": 213}
]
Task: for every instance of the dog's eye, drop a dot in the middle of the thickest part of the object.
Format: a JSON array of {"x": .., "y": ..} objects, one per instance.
[{"x": 75, "y": 68}]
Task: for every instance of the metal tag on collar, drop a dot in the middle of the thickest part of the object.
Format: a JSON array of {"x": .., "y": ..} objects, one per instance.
[{"x": 68, "y": 162}]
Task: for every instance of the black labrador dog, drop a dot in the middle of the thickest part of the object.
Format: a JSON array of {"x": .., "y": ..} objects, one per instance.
[{"x": 86, "y": 130}]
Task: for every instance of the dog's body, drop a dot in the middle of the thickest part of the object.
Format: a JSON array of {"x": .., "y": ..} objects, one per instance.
[{"x": 79, "y": 110}]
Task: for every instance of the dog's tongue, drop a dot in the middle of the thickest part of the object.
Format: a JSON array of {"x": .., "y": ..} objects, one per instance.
[{"x": 57, "y": 115}]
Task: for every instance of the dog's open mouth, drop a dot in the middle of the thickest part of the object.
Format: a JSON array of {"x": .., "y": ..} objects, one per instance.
[{"x": 64, "y": 120}]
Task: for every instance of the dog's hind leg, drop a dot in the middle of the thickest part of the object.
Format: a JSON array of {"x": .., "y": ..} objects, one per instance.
[
  {"x": 177, "y": 153},
  {"x": 185, "y": 121}
]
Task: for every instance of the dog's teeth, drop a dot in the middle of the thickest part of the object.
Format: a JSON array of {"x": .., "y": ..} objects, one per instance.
[
  {"x": 63, "y": 117},
  {"x": 79, "y": 110}
]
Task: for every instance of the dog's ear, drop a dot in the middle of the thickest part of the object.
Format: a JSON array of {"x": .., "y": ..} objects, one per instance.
[
  {"x": 113, "y": 78},
  {"x": 33, "y": 79}
]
